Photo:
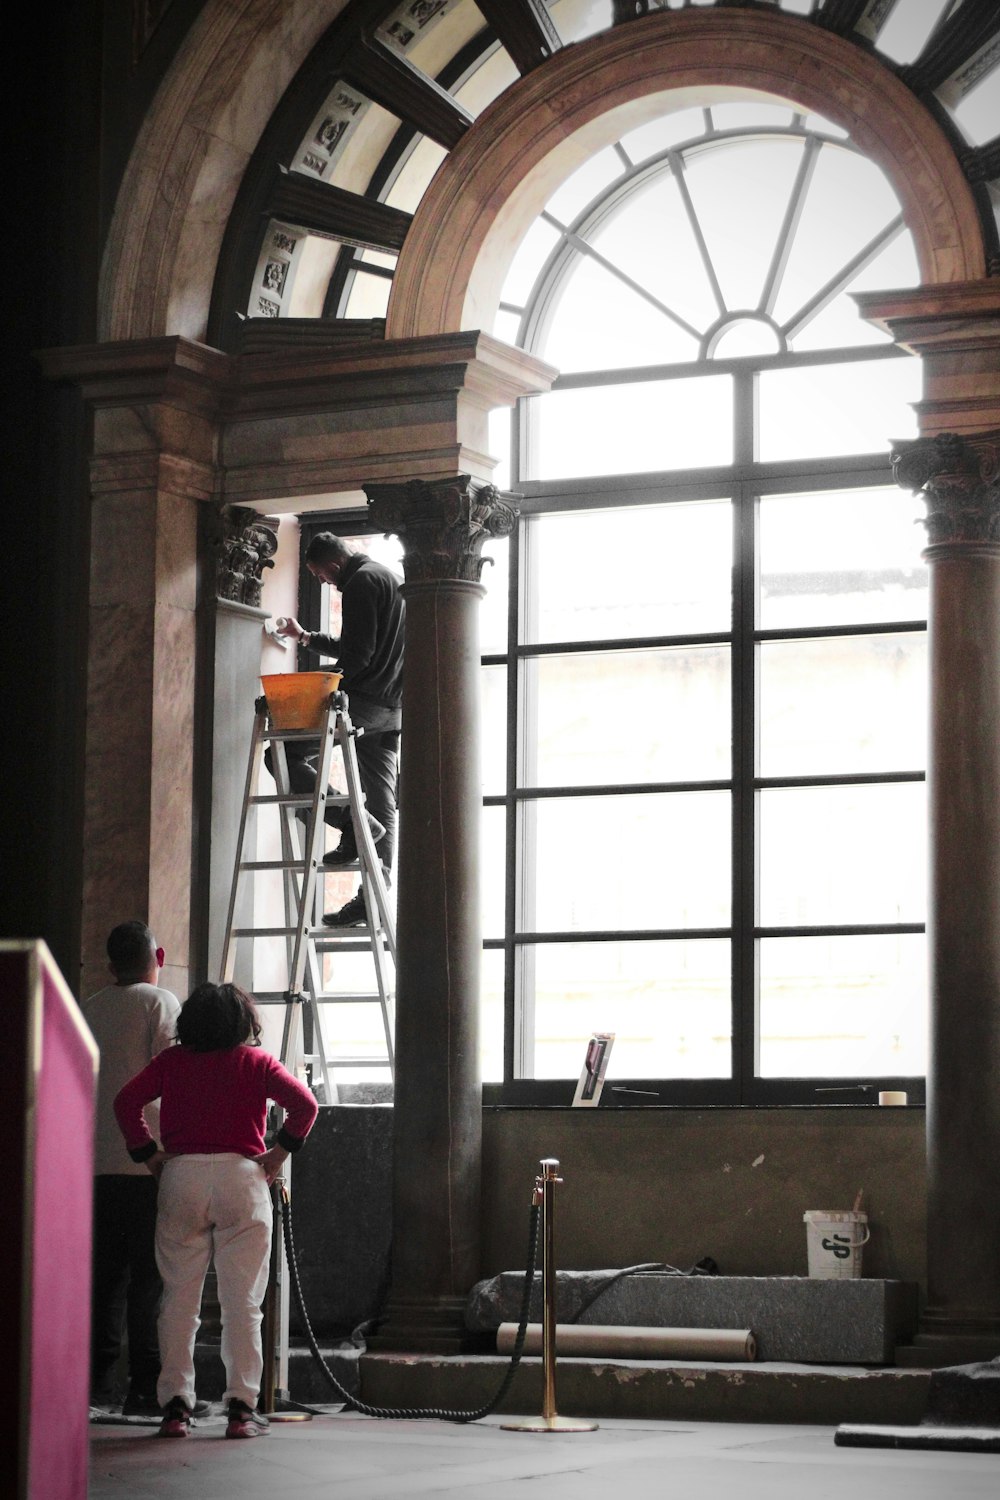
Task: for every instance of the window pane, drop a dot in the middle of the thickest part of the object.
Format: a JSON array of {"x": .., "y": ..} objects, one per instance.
[
  {"x": 493, "y": 610},
  {"x": 628, "y": 862},
  {"x": 849, "y": 202},
  {"x": 627, "y": 716},
  {"x": 633, "y": 428},
  {"x": 838, "y": 855},
  {"x": 602, "y": 323},
  {"x": 668, "y": 1004},
  {"x": 494, "y": 730},
  {"x": 841, "y": 1007},
  {"x": 826, "y": 410},
  {"x": 654, "y": 215},
  {"x": 740, "y": 193},
  {"x": 491, "y": 1016},
  {"x": 852, "y": 703},
  {"x": 493, "y": 871},
  {"x": 841, "y": 558},
  {"x": 646, "y": 570},
  {"x": 350, "y": 1029}
]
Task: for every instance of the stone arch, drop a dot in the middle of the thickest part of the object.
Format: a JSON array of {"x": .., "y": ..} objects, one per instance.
[
  {"x": 500, "y": 174},
  {"x": 189, "y": 158}
]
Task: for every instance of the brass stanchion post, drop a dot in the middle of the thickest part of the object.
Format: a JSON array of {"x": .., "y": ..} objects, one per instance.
[
  {"x": 275, "y": 1325},
  {"x": 549, "y": 1421}
]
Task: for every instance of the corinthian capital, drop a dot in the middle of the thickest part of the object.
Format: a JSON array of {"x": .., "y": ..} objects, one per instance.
[
  {"x": 246, "y": 545},
  {"x": 959, "y": 480},
  {"x": 442, "y": 524}
]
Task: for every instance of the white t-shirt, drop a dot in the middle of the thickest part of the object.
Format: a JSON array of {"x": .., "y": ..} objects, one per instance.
[{"x": 131, "y": 1023}]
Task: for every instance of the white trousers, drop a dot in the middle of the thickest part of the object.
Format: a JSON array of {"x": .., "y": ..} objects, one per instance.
[{"x": 212, "y": 1205}]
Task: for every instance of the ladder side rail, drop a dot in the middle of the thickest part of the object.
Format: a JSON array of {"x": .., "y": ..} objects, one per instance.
[
  {"x": 314, "y": 988},
  {"x": 383, "y": 981},
  {"x": 367, "y": 854},
  {"x": 314, "y": 837},
  {"x": 228, "y": 963},
  {"x": 287, "y": 820},
  {"x": 293, "y": 1029}
]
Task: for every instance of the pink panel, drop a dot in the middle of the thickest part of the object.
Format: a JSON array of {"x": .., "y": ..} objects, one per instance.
[{"x": 56, "y": 1202}]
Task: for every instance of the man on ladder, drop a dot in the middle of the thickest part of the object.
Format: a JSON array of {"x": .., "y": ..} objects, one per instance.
[{"x": 369, "y": 654}]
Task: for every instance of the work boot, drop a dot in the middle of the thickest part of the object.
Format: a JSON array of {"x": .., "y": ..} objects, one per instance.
[
  {"x": 346, "y": 852},
  {"x": 354, "y": 914}
]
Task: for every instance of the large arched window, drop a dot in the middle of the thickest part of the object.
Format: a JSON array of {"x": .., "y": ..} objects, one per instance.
[{"x": 703, "y": 809}]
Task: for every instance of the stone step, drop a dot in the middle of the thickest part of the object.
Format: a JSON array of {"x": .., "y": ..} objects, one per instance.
[
  {"x": 652, "y": 1390},
  {"x": 674, "y": 1390},
  {"x": 793, "y": 1318}
]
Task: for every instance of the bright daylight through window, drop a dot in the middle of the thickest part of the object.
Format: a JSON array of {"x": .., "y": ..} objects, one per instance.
[{"x": 704, "y": 649}]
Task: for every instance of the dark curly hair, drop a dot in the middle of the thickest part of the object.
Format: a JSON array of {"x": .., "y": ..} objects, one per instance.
[{"x": 216, "y": 1017}]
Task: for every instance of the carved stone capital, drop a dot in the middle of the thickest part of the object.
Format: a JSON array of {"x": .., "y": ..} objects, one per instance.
[
  {"x": 442, "y": 524},
  {"x": 246, "y": 543},
  {"x": 959, "y": 480}
]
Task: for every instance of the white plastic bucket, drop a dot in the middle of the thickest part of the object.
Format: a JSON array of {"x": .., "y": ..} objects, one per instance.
[{"x": 833, "y": 1241}]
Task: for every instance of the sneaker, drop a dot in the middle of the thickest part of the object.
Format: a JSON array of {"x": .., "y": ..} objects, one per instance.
[
  {"x": 244, "y": 1422},
  {"x": 354, "y": 914},
  {"x": 176, "y": 1419}
]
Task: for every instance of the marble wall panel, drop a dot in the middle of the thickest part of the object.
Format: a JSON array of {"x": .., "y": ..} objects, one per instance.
[
  {"x": 171, "y": 811},
  {"x": 357, "y": 431},
  {"x": 117, "y": 779},
  {"x": 123, "y": 530},
  {"x": 176, "y": 561}
]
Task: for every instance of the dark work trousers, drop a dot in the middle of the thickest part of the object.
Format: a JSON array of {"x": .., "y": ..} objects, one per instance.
[
  {"x": 126, "y": 1284},
  {"x": 377, "y": 751}
]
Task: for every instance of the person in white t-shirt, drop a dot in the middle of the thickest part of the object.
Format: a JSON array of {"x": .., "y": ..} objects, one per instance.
[{"x": 132, "y": 1020}]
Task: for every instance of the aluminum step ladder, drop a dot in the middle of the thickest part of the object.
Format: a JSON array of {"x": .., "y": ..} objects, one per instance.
[{"x": 306, "y": 939}]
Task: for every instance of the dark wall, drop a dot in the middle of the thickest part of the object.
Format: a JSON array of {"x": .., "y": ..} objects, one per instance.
[
  {"x": 674, "y": 1185},
  {"x": 76, "y": 88},
  {"x": 665, "y": 1185}
]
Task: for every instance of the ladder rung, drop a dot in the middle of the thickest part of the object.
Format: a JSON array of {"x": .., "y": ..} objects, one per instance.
[
  {"x": 250, "y": 932},
  {"x": 273, "y": 997},
  {"x": 293, "y": 734},
  {"x": 275, "y": 864},
  {"x": 324, "y": 935},
  {"x": 358, "y": 1062},
  {"x": 371, "y": 997},
  {"x": 289, "y": 799}
]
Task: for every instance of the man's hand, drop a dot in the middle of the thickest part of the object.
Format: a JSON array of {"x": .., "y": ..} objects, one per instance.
[
  {"x": 287, "y": 625},
  {"x": 272, "y": 1162},
  {"x": 155, "y": 1164}
]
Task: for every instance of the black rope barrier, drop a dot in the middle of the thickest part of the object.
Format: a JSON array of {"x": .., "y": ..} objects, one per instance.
[{"x": 415, "y": 1412}]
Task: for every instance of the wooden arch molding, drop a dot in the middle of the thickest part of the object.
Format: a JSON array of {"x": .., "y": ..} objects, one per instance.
[{"x": 499, "y": 176}]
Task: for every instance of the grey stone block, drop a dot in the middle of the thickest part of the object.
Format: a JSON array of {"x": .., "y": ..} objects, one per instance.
[
  {"x": 341, "y": 1193},
  {"x": 792, "y": 1317}
]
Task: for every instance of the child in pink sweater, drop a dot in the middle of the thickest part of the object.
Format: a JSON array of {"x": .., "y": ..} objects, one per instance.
[{"x": 215, "y": 1190}]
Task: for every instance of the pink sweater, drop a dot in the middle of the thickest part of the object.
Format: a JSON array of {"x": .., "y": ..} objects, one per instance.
[{"x": 213, "y": 1102}]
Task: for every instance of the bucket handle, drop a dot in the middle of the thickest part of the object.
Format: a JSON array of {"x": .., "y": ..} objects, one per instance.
[{"x": 856, "y": 1244}]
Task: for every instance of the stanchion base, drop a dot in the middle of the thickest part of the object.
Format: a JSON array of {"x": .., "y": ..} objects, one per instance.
[
  {"x": 288, "y": 1416},
  {"x": 550, "y": 1424}
]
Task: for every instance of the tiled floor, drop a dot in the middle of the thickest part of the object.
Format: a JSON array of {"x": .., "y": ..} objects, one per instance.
[{"x": 355, "y": 1458}]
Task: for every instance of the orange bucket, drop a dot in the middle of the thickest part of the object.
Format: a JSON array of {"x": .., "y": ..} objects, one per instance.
[{"x": 296, "y": 700}]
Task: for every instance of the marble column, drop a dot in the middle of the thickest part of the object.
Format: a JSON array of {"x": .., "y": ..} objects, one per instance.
[
  {"x": 438, "y": 1097},
  {"x": 139, "y": 759},
  {"x": 959, "y": 478}
]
